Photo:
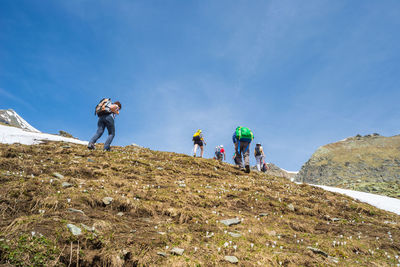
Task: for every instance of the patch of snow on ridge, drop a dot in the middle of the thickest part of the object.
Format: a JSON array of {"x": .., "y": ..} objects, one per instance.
[
  {"x": 12, "y": 135},
  {"x": 10, "y": 114},
  {"x": 292, "y": 172},
  {"x": 381, "y": 202}
]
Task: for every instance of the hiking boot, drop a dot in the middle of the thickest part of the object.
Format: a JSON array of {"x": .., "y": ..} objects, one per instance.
[
  {"x": 91, "y": 146},
  {"x": 247, "y": 169}
]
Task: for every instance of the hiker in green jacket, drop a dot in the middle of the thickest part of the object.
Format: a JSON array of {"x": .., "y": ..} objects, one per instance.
[{"x": 242, "y": 138}]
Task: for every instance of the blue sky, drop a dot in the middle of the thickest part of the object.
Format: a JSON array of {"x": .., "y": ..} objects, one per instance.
[{"x": 300, "y": 74}]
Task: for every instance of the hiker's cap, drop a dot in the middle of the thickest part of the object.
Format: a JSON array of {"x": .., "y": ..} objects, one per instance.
[
  {"x": 221, "y": 146},
  {"x": 118, "y": 104}
]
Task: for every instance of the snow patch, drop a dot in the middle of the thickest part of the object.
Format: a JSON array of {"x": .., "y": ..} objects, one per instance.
[
  {"x": 291, "y": 172},
  {"x": 381, "y": 202},
  {"x": 12, "y": 135}
]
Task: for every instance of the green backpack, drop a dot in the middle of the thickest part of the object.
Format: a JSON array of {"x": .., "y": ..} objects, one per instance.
[{"x": 244, "y": 133}]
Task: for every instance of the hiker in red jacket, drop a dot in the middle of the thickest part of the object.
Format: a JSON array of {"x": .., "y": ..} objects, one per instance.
[{"x": 220, "y": 153}]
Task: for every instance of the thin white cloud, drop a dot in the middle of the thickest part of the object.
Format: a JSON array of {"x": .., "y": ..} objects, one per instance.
[{"x": 12, "y": 97}]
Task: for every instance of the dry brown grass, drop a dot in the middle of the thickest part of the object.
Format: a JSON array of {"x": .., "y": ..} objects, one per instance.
[{"x": 159, "y": 212}]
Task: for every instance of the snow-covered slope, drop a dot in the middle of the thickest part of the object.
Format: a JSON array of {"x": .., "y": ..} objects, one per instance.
[
  {"x": 11, "y": 118},
  {"x": 381, "y": 202},
  {"x": 11, "y": 135}
]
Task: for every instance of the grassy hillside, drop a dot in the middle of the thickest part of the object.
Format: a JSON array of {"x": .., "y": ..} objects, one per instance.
[
  {"x": 162, "y": 201},
  {"x": 369, "y": 164}
]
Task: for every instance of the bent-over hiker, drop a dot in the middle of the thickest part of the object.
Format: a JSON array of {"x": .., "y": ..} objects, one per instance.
[
  {"x": 220, "y": 153},
  {"x": 106, "y": 112}
]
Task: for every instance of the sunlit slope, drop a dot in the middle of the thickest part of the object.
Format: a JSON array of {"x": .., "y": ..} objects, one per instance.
[
  {"x": 369, "y": 164},
  {"x": 161, "y": 201}
]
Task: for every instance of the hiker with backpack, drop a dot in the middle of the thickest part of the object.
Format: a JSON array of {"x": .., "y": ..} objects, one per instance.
[
  {"x": 220, "y": 153},
  {"x": 242, "y": 138},
  {"x": 260, "y": 157},
  {"x": 198, "y": 141},
  {"x": 106, "y": 111}
]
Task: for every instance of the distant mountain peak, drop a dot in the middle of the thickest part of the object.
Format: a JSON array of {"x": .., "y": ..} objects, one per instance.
[{"x": 10, "y": 117}]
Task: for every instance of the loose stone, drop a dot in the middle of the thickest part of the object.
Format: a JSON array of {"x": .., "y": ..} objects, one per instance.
[
  {"x": 107, "y": 200},
  {"x": 291, "y": 207},
  {"x": 74, "y": 229},
  {"x": 236, "y": 235},
  {"x": 162, "y": 254},
  {"x": 230, "y": 222},
  {"x": 57, "y": 175},
  {"x": 75, "y": 210},
  {"x": 318, "y": 251},
  {"x": 177, "y": 251},
  {"x": 231, "y": 259},
  {"x": 66, "y": 185}
]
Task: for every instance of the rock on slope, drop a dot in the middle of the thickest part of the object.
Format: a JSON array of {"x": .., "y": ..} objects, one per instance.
[
  {"x": 370, "y": 164},
  {"x": 61, "y": 205},
  {"x": 10, "y": 117},
  {"x": 276, "y": 171}
]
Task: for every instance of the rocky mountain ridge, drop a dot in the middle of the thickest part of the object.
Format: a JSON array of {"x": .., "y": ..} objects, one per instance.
[{"x": 368, "y": 163}]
